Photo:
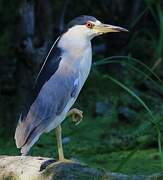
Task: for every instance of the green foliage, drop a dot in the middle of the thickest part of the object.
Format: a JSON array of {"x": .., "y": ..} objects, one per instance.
[
  {"x": 132, "y": 93},
  {"x": 123, "y": 138}
]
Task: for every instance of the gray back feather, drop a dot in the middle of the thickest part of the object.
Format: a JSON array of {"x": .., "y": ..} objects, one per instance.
[{"x": 50, "y": 102}]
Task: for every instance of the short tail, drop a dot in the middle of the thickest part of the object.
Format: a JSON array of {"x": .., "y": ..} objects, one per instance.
[
  {"x": 26, "y": 135},
  {"x": 22, "y": 132}
]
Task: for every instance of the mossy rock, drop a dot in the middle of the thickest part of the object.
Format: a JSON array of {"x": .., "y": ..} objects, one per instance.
[{"x": 38, "y": 168}]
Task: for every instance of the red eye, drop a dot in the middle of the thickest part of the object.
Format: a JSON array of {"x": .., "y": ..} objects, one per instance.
[{"x": 89, "y": 25}]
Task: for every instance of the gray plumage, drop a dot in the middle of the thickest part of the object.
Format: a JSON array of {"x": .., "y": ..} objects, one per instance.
[
  {"x": 59, "y": 81},
  {"x": 54, "y": 94},
  {"x": 49, "y": 103}
]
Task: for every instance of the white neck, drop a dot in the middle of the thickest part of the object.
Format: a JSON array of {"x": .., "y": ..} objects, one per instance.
[{"x": 75, "y": 39}]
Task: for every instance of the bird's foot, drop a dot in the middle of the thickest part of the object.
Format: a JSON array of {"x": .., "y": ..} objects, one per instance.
[
  {"x": 65, "y": 161},
  {"x": 77, "y": 115}
]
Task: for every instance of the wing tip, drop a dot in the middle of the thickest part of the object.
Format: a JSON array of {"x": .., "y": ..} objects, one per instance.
[{"x": 17, "y": 133}]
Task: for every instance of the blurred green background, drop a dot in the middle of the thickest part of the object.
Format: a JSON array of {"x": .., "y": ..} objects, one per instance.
[{"x": 122, "y": 98}]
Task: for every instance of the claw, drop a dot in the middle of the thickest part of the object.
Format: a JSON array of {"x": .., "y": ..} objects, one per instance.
[
  {"x": 77, "y": 115},
  {"x": 77, "y": 123},
  {"x": 66, "y": 161}
]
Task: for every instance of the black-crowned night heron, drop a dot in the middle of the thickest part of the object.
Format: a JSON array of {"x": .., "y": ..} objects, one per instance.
[{"x": 59, "y": 82}]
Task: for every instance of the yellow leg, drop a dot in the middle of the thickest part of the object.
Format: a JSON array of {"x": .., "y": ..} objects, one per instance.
[
  {"x": 58, "y": 131},
  {"x": 76, "y": 114},
  {"x": 77, "y": 117}
]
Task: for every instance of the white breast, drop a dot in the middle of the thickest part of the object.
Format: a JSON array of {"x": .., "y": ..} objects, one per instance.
[
  {"x": 85, "y": 66},
  {"x": 78, "y": 51}
]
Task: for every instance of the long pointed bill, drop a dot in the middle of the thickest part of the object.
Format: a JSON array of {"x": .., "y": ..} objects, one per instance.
[{"x": 105, "y": 28}]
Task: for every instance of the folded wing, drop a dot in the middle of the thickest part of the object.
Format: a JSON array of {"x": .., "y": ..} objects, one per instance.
[{"x": 55, "y": 86}]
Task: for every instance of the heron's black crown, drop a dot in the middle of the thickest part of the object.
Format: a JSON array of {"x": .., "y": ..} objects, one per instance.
[{"x": 81, "y": 20}]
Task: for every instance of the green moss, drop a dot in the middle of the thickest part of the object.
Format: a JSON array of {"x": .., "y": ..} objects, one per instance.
[{"x": 144, "y": 162}]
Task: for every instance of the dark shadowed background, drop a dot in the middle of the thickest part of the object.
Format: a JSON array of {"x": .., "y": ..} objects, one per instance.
[{"x": 122, "y": 98}]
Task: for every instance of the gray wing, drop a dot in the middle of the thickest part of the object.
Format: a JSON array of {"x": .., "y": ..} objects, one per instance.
[{"x": 51, "y": 95}]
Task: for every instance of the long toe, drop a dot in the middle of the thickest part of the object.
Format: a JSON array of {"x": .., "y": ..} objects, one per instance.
[
  {"x": 77, "y": 116},
  {"x": 66, "y": 161}
]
